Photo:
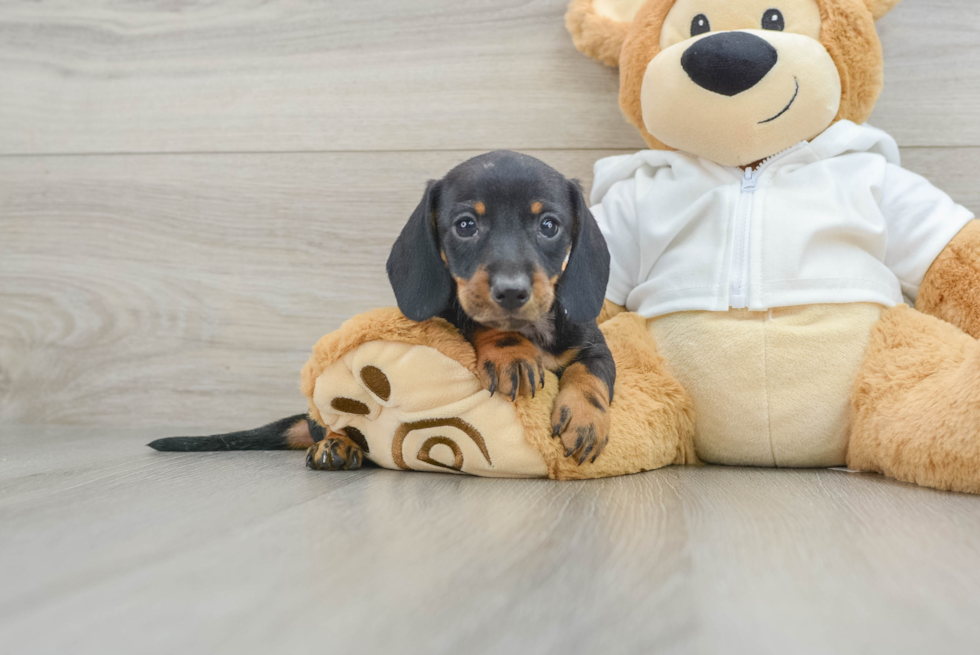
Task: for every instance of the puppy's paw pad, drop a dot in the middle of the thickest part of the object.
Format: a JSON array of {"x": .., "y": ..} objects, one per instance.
[
  {"x": 581, "y": 420},
  {"x": 509, "y": 364},
  {"x": 334, "y": 453}
]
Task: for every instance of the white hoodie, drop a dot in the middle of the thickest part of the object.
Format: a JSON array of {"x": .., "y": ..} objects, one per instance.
[{"x": 833, "y": 220}]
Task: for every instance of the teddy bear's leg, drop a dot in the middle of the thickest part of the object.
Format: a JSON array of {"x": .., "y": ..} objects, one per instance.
[
  {"x": 916, "y": 403},
  {"x": 408, "y": 395}
]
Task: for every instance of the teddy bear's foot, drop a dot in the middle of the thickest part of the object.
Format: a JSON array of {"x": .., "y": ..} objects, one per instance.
[
  {"x": 408, "y": 394},
  {"x": 917, "y": 403},
  {"x": 336, "y": 452},
  {"x": 410, "y": 407}
]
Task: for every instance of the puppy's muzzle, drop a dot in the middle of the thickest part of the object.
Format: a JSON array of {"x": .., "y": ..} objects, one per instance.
[
  {"x": 729, "y": 63},
  {"x": 511, "y": 292}
]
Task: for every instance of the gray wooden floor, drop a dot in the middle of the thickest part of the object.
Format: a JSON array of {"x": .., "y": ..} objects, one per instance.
[
  {"x": 191, "y": 193},
  {"x": 107, "y": 547}
]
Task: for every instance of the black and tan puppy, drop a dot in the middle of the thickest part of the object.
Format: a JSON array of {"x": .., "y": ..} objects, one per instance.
[{"x": 505, "y": 248}]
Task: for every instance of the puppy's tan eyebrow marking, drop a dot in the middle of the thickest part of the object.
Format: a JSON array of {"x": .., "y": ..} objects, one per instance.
[
  {"x": 479, "y": 208},
  {"x": 536, "y": 207}
]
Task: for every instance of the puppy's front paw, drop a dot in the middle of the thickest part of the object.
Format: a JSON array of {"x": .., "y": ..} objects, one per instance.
[
  {"x": 508, "y": 363},
  {"x": 336, "y": 452},
  {"x": 581, "y": 414}
]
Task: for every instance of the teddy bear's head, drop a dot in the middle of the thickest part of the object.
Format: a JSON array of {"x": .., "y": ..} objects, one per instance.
[{"x": 736, "y": 81}]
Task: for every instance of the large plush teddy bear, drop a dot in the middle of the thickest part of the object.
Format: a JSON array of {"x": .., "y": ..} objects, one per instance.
[{"x": 760, "y": 251}]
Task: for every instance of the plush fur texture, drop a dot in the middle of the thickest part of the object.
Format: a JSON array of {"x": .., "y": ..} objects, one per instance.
[
  {"x": 916, "y": 403},
  {"x": 652, "y": 415},
  {"x": 849, "y": 35},
  {"x": 880, "y": 7},
  {"x": 641, "y": 44},
  {"x": 599, "y": 37},
  {"x": 610, "y": 310},
  {"x": 951, "y": 289},
  {"x": 386, "y": 324}
]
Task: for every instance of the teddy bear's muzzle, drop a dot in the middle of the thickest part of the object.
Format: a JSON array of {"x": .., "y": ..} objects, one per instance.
[{"x": 738, "y": 97}]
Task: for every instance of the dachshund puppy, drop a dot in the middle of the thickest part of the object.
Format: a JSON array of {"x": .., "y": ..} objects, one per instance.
[{"x": 505, "y": 248}]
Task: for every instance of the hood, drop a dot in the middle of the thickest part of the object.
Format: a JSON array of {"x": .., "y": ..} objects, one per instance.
[{"x": 841, "y": 138}]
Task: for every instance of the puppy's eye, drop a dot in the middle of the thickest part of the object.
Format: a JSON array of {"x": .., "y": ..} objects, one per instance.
[
  {"x": 549, "y": 227},
  {"x": 465, "y": 227},
  {"x": 773, "y": 20},
  {"x": 700, "y": 25}
]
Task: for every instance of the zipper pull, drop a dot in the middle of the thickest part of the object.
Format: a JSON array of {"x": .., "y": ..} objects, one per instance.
[{"x": 749, "y": 180}]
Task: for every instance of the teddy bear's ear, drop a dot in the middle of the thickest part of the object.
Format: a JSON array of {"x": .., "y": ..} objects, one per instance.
[
  {"x": 880, "y": 7},
  {"x": 598, "y": 27}
]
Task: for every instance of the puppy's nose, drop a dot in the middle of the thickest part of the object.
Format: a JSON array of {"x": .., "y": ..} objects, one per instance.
[
  {"x": 730, "y": 62},
  {"x": 511, "y": 292}
]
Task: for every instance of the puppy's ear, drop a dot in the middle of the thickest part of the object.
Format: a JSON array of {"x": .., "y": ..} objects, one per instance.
[
  {"x": 582, "y": 287},
  {"x": 416, "y": 271}
]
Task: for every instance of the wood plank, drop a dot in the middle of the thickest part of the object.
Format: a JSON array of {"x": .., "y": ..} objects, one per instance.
[
  {"x": 110, "y": 76},
  {"x": 277, "y": 76},
  {"x": 932, "y": 73},
  {"x": 106, "y": 546},
  {"x": 827, "y": 562},
  {"x": 188, "y": 290},
  {"x": 954, "y": 170}
]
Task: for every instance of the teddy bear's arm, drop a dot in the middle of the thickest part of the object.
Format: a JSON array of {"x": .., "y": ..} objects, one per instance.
[
  {"x": 609, "y": 310},
  {"x": 951, "y": 288}
]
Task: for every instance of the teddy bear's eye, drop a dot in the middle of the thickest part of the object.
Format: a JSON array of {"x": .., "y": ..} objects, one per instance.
[
  {"x": 773, "y": 20},
  {"x": 700, "y": 25}
]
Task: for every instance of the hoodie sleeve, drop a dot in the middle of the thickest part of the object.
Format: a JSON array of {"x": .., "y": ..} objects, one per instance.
[
  {"x": 921, "y": 220},
  {"x": 616, "y": 216}
]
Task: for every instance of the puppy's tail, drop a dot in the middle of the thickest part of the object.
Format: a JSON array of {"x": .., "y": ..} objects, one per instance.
[{"x": 292, "y": 433}]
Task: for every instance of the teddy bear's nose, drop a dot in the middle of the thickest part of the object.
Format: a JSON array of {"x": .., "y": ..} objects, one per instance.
[{"x": 729, "y": 62}]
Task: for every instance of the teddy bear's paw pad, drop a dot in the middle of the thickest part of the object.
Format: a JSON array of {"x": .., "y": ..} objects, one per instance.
[
  {"x": 375, "y": 381},
  {"x": 581, "y": 416},
  {"x": 446, "y": 443},
  {"x": 409, "y": 378},
  {"x": 337, "y": 392},
  {"x": 334, "y": 453}
]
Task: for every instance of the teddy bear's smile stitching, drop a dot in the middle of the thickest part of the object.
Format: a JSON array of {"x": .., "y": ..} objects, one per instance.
[{"x": 786, "y": 108}]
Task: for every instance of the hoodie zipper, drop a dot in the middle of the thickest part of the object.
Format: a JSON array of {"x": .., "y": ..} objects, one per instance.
[
  {"x": 739, "y": 275},
  {"x": 738, "y": 286}
]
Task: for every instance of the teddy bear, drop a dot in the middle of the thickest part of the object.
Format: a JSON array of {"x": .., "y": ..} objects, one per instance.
[{"x": 762, "y": 252}]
